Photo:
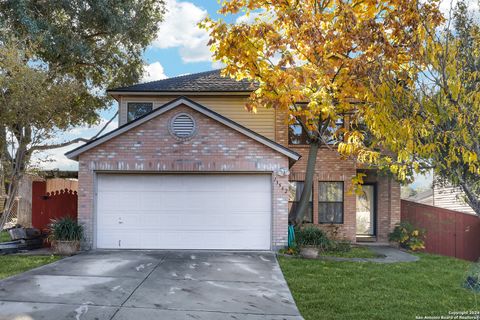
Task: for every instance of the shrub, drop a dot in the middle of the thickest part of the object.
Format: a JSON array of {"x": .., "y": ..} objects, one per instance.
[
  {"x": 340, "y": 246},
  {"x": 472, "y": 281},
  {"x": 65, "y": 229},
  {"x": 312, "y": 236},
  {"x": 408, "y": 237}
]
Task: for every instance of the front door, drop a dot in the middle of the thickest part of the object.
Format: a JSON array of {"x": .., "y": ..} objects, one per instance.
[{"x": 366, "y": 211}]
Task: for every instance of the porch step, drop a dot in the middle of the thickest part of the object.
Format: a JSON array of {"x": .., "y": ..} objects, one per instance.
[{"x": 366, "y": 239}]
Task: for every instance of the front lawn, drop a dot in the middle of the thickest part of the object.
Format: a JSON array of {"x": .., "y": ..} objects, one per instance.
[
  {"x": 365, "y": 290},
  {"x": 13, "y": 264},
  {"x": 355, "y": 252}
]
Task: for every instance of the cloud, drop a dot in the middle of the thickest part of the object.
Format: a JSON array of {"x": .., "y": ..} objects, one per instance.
[
  {"x": 250, "y": 18},
  {"x": 180, "y": 30},
  {"x": 153, "y": 71},
  {"x": 56, "y": 159},
  {"x": 218, "y": 65}
]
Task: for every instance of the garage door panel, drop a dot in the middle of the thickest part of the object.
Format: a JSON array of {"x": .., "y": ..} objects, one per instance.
[
  {"x": 191, "y": 239},
  {"x": 180, "y": 221},
  {"x": 184, "y": 211},
  {"x": 250, "y": 202},
  {"x": 191, "y": 201},
  {"x": 119, "y": 201}
]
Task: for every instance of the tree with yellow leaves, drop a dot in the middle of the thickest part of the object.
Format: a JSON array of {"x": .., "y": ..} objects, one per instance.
[
  {"x": 437, "y": 107},
  {"x": 314, "y": 59}
]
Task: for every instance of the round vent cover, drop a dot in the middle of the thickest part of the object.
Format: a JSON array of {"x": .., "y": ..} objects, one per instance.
[{"x": 182, "y": 126}]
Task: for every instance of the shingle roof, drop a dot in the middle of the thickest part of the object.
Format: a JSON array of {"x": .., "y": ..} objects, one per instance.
[{"x": 209, "y": 81}]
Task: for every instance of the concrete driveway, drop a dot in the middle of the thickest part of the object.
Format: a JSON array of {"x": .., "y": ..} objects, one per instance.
[{"x": 144, "y": 285}]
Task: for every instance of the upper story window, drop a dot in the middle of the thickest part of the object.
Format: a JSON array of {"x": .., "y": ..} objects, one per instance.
[
  {"x": 138, "y": 109},
  {"x": 298, "y": 136},
  {"x": 332, "y": 135}
]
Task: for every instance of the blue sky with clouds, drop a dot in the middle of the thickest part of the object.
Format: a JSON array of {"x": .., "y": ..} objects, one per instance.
[{"x": 180, "y": 47}]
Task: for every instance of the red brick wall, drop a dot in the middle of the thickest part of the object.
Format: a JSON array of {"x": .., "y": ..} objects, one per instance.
[{"x": 151, "y": 148}]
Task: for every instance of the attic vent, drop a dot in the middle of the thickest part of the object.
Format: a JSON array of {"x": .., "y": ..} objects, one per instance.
[{"x": 182, "y": 126}]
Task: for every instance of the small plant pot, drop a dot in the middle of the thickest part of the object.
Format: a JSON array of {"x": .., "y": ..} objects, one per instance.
[
  {"x": 66, "y": 248},
  {"x": 309, "y": 252}
]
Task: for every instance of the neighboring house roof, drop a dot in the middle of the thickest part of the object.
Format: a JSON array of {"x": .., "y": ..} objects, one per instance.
[
  {"x": 73, "y": 154},
  {"x": 425, "y": 197},
  {"x": 209, "y": 81}
]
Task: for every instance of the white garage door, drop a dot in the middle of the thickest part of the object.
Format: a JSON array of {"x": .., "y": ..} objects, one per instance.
[{"x": 184, "y": 211}]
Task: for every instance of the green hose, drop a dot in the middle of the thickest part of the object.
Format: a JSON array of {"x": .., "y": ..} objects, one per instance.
[{"x": 291, "y": 236}]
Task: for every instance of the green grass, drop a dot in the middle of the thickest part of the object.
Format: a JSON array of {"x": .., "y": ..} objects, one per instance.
[
  {"x": 355, "y": 252},
  {"x": 364, "y": 290},
  {"x": 13, "y": 264},
  {"x": 4, "y": 236}
]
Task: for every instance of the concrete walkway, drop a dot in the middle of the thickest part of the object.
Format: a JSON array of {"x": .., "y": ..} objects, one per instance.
[
  {"x": 389, "y": 255},
  {"x": 150, "y": 285}
]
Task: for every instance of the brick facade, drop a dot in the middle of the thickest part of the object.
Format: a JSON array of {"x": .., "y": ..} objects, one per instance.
[
  {"x": 331, "y": 167},
  {"x": 151, "y": 148},
  {"x": 217, "y": 148}
]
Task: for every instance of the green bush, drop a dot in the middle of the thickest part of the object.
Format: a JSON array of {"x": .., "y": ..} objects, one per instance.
[
  {"x": 312, "y": 236},
  {"x": 472, "y": 280},
  {"x": 340, "y": 246},
  {"x": 65, "y": 229},
  {"x": 408, "y": 237}
]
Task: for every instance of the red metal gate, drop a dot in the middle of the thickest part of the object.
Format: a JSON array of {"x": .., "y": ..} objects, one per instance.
[
  {"x": 52, "y": 205},
  {"x": 449, "y": 233}
]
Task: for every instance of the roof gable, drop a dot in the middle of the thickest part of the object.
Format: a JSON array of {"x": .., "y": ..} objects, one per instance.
[
  {"x": 73, "y": 154},
  {"x": 210, "y": 81}
]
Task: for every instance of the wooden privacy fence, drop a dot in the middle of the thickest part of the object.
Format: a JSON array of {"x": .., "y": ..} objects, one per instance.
[
  {"x": 51, "y": 205},
  {"x": 449, "y": 233}
]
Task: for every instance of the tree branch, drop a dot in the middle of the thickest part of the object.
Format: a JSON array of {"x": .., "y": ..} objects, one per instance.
[
  {"x": 64, "y": 144},
  {"x": 58, "y": 145},
  {"x": 104, "y": 127}
]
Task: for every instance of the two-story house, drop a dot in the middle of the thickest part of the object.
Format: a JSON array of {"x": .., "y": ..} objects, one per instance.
[{"x": 190, "y": 168}]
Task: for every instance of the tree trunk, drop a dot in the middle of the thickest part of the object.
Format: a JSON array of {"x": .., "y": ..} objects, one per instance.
[
  {"x": 304, "y": 201},
  {"x": 471, "y": 198},
  {"x": 19, "y": 163},
  {"x": 9, "y": 204}
]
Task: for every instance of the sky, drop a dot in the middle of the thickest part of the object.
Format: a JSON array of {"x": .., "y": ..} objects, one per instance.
[{"x": 180, "y": 47}]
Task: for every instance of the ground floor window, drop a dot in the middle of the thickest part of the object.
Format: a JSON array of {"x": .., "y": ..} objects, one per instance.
[
  {"x": 295, "y": 192},
  {"x": 330, "y": 202}
]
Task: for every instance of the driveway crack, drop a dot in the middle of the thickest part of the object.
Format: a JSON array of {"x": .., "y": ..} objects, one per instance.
[{"x": 136, "y": 288}]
